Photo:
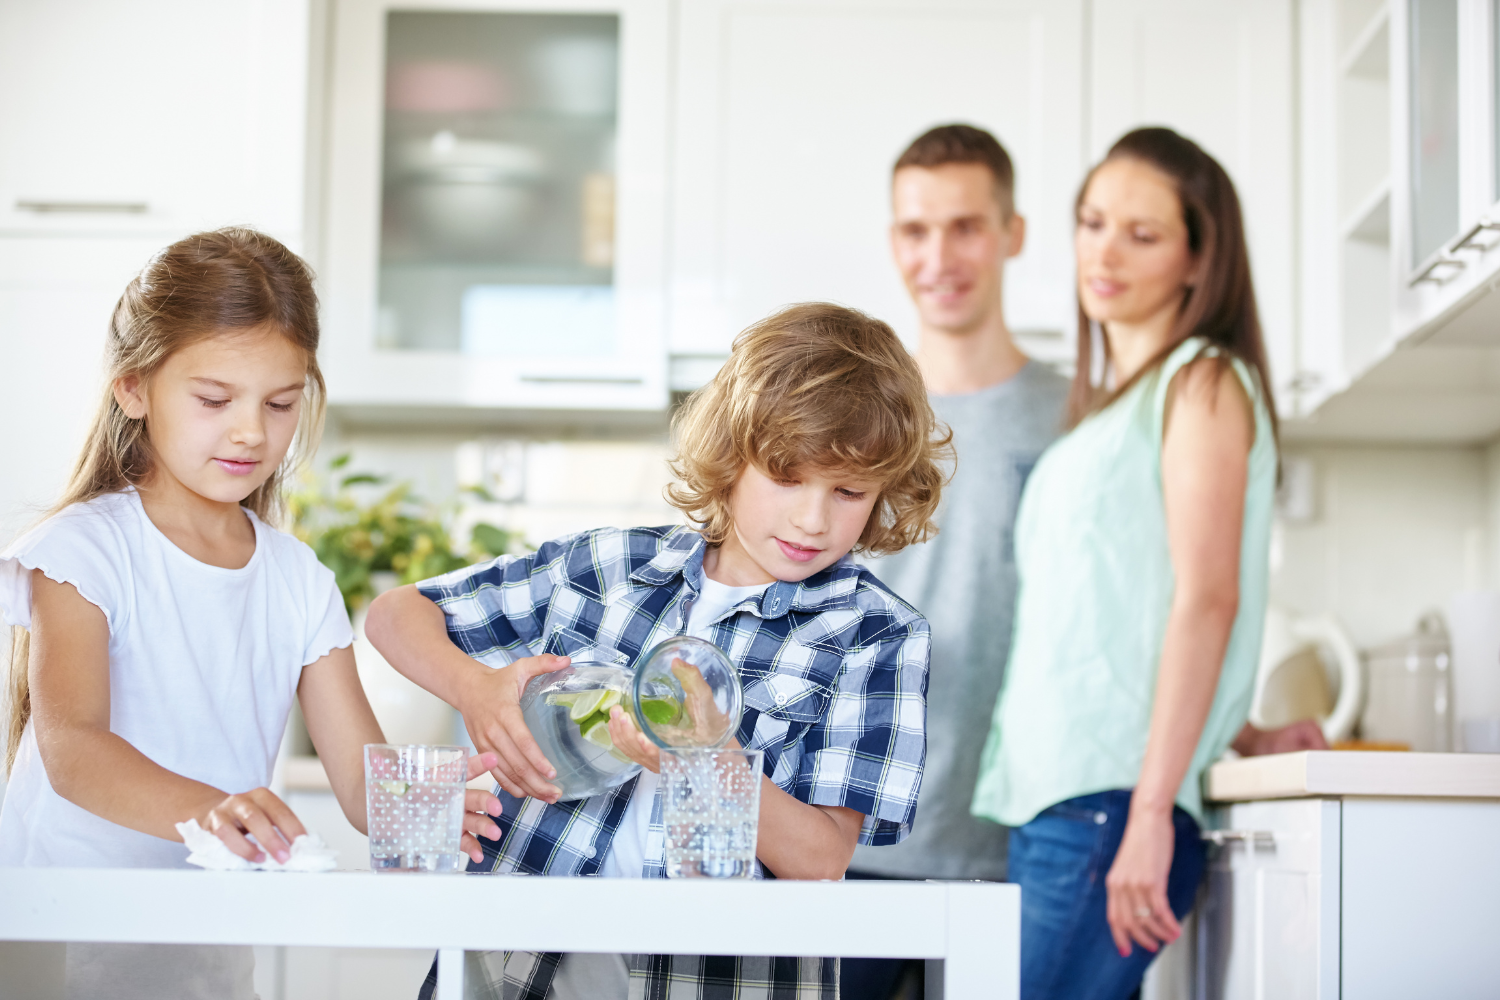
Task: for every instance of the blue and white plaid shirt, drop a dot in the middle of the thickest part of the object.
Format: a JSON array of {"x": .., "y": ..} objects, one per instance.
[{"x": 835, "y": 676}]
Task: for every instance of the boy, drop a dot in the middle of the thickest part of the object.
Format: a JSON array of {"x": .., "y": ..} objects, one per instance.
[{"x": 814, "y": 441}]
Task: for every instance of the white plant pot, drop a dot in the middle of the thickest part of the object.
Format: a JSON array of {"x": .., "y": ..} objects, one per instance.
[{"x": 406, "y": 712}]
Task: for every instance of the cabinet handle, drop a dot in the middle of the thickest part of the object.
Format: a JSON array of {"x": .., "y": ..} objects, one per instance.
[
  {"x": 1467, "y": 241},
  {"x": 83, "y": 207},
  {"x": 1254, "y": 839},
  {"x": 1427, "y": 273}
]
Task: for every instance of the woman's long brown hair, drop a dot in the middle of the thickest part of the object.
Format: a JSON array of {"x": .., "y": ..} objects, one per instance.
[
  {"x": 1220, "y": 306},
  {"x": 199, "y": 287}
]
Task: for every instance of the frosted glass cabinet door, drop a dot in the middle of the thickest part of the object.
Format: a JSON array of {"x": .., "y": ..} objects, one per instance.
[
  {"x": 1434, "y": 126},
  {"x": 494, "y": 226},
  {"x": 497, "y": 188}
]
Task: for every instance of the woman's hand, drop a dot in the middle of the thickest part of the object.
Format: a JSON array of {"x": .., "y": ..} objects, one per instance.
[
  {"x": 490, "y": 703},
  {"x": 1304, "y": 735},
  {"x": 1137, "y": 884},
  {"x": 478, "y": 808},
  {"x": 257, "y": 812}
]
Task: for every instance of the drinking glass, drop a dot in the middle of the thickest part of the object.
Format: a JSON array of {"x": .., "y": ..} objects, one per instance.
[
  {"x": 414, "y": 797},
  {"x": 711, "y": 809}
]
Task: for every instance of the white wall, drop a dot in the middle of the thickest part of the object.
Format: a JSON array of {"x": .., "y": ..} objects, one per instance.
[{"x": 1396, "y": 531}]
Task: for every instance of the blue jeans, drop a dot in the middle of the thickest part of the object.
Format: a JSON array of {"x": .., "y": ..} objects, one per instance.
[{"x": 1060, "y": 860}]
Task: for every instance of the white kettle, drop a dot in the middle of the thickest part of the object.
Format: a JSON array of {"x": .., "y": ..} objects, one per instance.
[{"x": 1292, "y": 684}]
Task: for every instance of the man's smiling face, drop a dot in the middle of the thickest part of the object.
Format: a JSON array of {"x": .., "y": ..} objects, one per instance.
[{"x": 950, "y": 236}]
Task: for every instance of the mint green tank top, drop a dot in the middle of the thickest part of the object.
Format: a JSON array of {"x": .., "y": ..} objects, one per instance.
[{"x": 1096, "y": 584}]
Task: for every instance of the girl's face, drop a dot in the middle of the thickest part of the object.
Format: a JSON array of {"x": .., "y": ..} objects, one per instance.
[
  {"x": 1131, "y": 244},
  {"x": 789, "y": 529},
  {"x": 221, "y": 413}
]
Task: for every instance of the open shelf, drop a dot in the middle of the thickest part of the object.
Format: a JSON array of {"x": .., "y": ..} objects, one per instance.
[
  {"x": 1369, "y": 54},
  {"x": 1370, "y": 222}
]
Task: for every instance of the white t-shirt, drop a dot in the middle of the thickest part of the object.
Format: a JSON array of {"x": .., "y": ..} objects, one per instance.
[
  {"x": 203, "y": 666},
  {"x": 607, "y": 977},
  {"x": 627, "y": 852}
]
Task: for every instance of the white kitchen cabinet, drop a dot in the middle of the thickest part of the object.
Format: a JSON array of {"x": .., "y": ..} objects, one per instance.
[
  {"x": 1400, "y": 209},
  {"x": 1361, "y": 876},
  {"x": 1221, "y": 73},
  {"x": 473, "y": 256},
  {"x": 127, "y": 126},
  {"x": 788, "y": 118},
  {"x": 161, "y": 117},
  {"x": 56, "y": 296},
  {"x": 1443, "y": 183},
  {"x": 1268, "y": 926}
]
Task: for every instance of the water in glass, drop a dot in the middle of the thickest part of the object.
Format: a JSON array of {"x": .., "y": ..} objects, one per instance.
[
  {"x": 711, "y": 809},
  {"x": 415, "y": 801}
]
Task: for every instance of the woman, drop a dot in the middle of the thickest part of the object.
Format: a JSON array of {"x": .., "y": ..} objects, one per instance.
[{"x": 1142, "y": 551}]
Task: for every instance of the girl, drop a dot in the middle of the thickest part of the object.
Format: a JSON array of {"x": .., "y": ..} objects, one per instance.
[
  {"x": 1141, "y": 545},
  {"x": 169, "y": 624}
]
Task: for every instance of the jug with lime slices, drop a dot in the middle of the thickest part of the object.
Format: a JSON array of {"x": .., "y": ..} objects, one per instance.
[{"x": 683, "y": 693}]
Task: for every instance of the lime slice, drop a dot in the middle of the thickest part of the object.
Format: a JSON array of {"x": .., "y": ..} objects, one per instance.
[
  {"x": 598, "y": 734},
  {"x": 589, "y": 702},
  {"x": 397, "y": 787},
  {"x": 568, "y": 698},
  {"x": 661, "y": 711}
]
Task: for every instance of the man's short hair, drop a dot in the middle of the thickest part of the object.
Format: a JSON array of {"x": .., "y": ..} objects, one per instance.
[
  {"x": 815, "y": 385},
  {"x": 964, "y": 144}
]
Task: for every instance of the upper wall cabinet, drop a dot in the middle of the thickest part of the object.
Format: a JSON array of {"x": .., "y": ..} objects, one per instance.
[
  {"x": 162, "y": 117},
  {"x": 790, "y": 116},
  {"x": 495, "y": 204},
  {"x": 1445, "y": 222},
  {"x": 1220, "y": 72},
  {"x": 1400, "y": 221}
]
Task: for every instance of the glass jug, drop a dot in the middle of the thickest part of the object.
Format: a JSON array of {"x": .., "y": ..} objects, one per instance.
[{"x": 683, "y": 693}]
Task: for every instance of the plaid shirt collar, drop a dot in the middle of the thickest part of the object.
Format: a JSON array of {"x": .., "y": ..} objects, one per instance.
[{"x": 682, "y": 555}]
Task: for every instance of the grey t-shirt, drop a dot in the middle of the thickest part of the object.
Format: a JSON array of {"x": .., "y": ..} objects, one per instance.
[{"x": 964, "y": 582}]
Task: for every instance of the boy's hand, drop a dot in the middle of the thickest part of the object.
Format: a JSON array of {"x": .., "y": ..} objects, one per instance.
[
  {"x": 631, "y": 742},
  {"x": 478, "y": 808},
  {"x": 491, "y": 707},
  {"x": 260, "y": 812}
]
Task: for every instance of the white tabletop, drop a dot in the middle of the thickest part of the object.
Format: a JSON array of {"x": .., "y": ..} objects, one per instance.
[{"x": 974, "y": 927}]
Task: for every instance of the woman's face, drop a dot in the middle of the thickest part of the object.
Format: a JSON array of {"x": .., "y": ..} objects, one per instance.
[{"x": 1132, "y": 245}]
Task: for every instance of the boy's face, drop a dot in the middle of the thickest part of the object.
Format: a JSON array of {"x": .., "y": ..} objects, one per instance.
[
  {"x": 950, "y": 239},
  {"x": 789, "y": 529}
]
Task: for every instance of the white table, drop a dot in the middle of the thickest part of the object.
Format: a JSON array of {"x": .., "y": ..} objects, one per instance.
[{"x": 974, "y": 928}]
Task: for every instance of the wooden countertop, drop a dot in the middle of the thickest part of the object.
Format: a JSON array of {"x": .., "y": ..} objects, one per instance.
[{"x": 1355, "y": 772}]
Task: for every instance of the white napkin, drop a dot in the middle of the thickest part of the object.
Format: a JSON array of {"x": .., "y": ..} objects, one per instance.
[{"x": 309, "y": 853}]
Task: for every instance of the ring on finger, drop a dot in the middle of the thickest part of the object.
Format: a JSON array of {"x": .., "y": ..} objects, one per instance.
[{"x": 1143, "y": 912}]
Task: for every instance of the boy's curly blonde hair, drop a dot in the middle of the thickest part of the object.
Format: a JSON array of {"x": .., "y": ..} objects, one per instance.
[{"x": 817, "y": 385}]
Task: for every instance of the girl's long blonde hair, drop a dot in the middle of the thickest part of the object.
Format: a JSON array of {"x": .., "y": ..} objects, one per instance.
[{"x": 199, "y": 287}]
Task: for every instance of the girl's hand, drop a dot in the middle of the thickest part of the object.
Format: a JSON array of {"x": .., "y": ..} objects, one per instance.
[
  {"x": 491, "y": 706},
  {"x": 259, "y": 812},
  {"x": 1137, "y": 884},
  {"x": 478, "y": 808},
  {"x": 631, "y": 742}
]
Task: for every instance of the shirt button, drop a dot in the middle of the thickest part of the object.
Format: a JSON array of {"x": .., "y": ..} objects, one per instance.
[
  {"x": 781, "y": 697},
  {"x": 1099, "y": 817},
  {"x": 589, "y": 852}
]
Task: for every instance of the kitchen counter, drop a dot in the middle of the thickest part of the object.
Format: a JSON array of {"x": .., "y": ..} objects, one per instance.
[
  {"x": 973, "y": 927},
  {"x": 1352, "y": 875},
  {"x": 1355, "y": 772}
]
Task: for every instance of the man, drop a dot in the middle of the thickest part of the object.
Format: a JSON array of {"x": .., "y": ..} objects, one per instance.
[{"x": 954, "y": 226}]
